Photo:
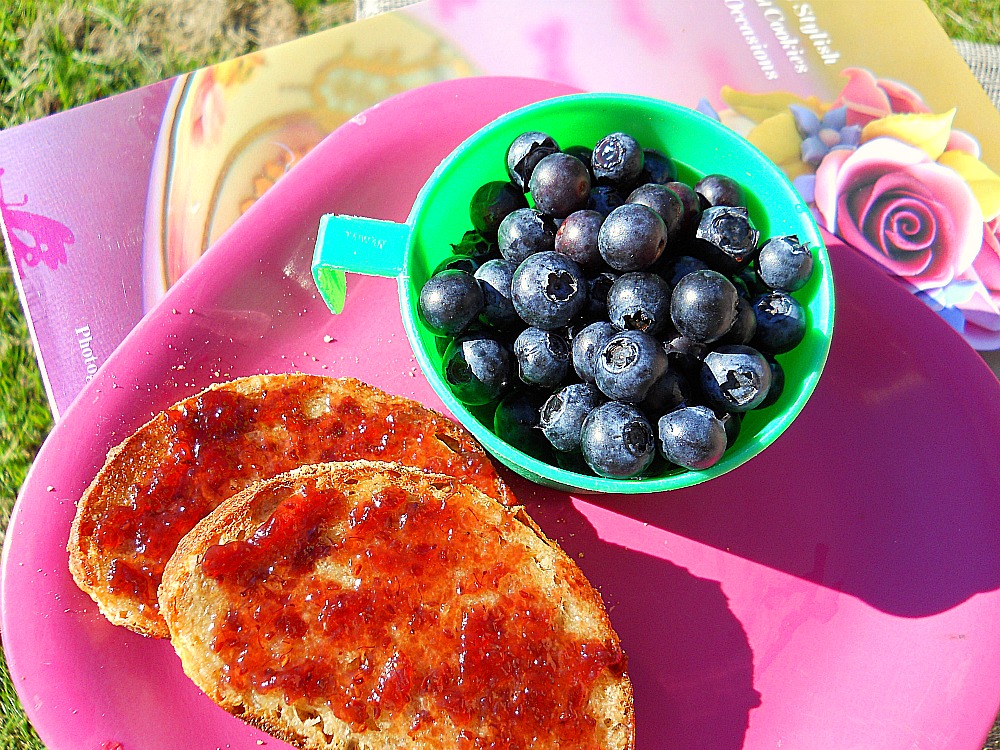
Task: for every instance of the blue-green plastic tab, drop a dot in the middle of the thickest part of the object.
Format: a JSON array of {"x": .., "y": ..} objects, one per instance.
[{"x": 357, "y": 244}]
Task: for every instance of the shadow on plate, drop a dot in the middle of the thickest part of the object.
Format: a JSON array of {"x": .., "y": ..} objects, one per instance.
[
  {"x": 690, "y": 662},
  {"x": 885, "y": 487}
]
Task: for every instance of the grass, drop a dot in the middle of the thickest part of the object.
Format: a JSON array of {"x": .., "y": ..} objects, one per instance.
[
  {"x": 55, "y": 55},
  {"x": 971, "y": 20}
]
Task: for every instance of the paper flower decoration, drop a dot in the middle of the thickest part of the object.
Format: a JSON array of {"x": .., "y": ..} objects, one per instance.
[{"x": 894, "y": 180}]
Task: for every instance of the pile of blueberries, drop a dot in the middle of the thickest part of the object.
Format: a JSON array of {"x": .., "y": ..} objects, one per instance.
[{"x": 621, "y": 321}]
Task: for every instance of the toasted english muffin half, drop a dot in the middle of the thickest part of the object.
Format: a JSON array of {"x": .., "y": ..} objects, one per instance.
[
  {"x": 366, "y": 606},
  {"x": 158, "y": 483}
]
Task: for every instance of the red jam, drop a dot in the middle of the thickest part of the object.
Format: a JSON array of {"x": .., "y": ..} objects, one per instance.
[
  {"x": 414, "y": 627},
  {"x": 221, "y": 441}
]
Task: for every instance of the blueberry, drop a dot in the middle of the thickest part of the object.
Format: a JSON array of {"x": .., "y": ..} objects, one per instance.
[
  {"x": 549, "y": 290},
  {"x": 748, "y": 285},
  {"x": 690, "y": 201},
  {"x": 781, "y": 322},
  {"x": 777, "y": 383},
  {"x": 719, "y": 190},
  {"x": 477, "y": 368},
  {"x": 703, "y": 306},
  {"x": 524, "y": 154},
  {"x": 587, "y": 346},
  {"x": 542, "y": 357},
  {"x": 640, "y": 301},
  {"x": 604, "y": 199},
  {"x": 525, "y": 232},
  {"x": 632, "y": 237},
  {"x": 732, "y": 421},
  {"x": 735, "y": 378},
  {"x": 667, "y": 393},
  {"x": 571, "y": 331},
  {"x": 740, "y": 282},
  {"x": 577, "y": 237},
  {"x": 676, "y": 268},
  {"x": 495, "y": 278},
  {"x": 665, "y": 202},
  {"x": 686, "y": 355},
  {"x": 560, "y": 185},
  {"x": 490, "y": 205},
  {"x": 728, "y": 239},
  {"x": 516, "y": 422},
  {"x": 629, "y": 364},
  {"x": 658, "y": 168},
  {"x": 692, "y": 437},
  {"x": 580, "y": 152},
  {"x": 617, "y": 440},
  {"x": 597, "y": 295},
  {"x": 564, "y": 412},
  {"x": 744, "y": 326},
  {"x": 617, "y": 160},
  {"x": 784, "y": 263},
  {"x": 475, "y": 245},
  {"x": 449, "y": 301}
]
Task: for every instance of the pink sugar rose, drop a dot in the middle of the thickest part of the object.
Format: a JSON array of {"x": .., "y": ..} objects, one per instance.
[
  {"x": 917, "y": 218},
  {"x": 869, "y": 98},
  {"x": 987, "y": 263},
  {"x": 982, "y": 311}
]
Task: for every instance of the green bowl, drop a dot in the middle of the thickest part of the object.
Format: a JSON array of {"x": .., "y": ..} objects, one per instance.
[{"x": 697, "y": 144}]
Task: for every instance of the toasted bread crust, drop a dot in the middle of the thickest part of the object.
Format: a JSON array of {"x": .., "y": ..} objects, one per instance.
[
  {"x": 194, "y": 604},
  {"x": 123, "y": 580}
]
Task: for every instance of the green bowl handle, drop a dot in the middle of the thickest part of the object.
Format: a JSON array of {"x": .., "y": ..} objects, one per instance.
[{"x": 354, "y": 243}]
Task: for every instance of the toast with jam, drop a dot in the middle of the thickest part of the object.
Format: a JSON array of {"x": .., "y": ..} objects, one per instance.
[
  {"x": 158, "y": 483},
  {"x": 366, "y": 606}
]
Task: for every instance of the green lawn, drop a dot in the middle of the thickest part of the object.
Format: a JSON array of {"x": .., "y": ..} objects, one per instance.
[
  {"x": 972, "y": 20},
  {"x": 54, "y": 55}
]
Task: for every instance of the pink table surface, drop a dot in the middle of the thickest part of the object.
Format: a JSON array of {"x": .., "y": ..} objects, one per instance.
[{"x": 838, "y": 591}]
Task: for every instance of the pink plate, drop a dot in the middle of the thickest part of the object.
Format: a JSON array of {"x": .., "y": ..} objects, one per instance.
[{"x": 839, "y": 591}]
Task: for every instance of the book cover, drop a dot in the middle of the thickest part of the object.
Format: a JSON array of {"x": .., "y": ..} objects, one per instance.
[{"x": 105, "y": 206}]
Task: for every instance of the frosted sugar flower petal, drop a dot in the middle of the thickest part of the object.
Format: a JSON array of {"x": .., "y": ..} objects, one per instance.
[
  {"x": 813, "y": 150},
  {"x": 806, "y": 121},
  {"x": 835, "y": 118}
]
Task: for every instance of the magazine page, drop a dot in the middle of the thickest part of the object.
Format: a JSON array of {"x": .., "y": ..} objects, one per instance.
[
  {"x": 106, "y": 206},
  {"x": 890, "y": 139}
]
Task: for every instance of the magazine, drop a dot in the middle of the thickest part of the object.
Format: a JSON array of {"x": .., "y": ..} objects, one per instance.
[{"x": 105, "y": 206}]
